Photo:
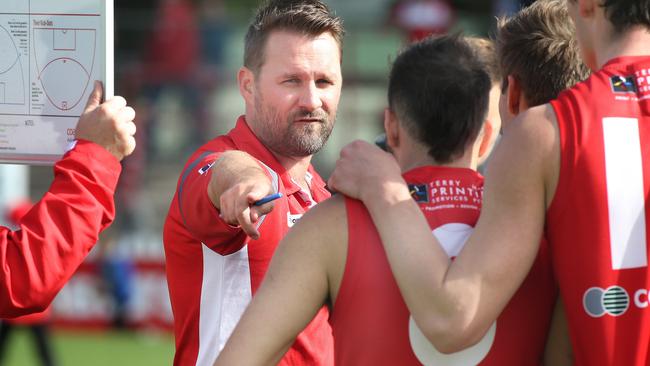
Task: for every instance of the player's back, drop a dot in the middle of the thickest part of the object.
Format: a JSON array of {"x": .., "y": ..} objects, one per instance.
[
  {"x": 596, "y": 224},
  {"x": 370, "y": 321}
]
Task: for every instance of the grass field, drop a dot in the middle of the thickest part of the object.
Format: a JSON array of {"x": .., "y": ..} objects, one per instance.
[{"x": 95, "y": 348}]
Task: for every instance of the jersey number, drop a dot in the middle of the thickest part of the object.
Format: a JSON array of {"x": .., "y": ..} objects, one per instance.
[{"x": 625, "y": 193}]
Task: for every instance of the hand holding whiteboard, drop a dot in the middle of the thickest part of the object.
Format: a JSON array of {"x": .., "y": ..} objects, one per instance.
[
  {"x": 51, "y": 51},
  {"x": 109, "y": 124}
]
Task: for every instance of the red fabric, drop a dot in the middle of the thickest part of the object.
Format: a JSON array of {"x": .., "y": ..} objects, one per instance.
[
  {"x": 422, "y": 18},
  {"x": 15, "y": 212},
  {"x": 57, "y": 233},
  {"x": 193, "y": 224},
  {"x": 578, "y": 221},
  {"x": 370, "y": 320}
]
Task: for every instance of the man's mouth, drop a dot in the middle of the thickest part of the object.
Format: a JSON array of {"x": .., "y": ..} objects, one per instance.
[{"x": 309, "y": 120}]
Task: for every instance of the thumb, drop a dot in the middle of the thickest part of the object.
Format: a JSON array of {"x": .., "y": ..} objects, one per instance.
[
  {"x": 331, "y": 182},
  {"x": 256, "y": 193},
  {"x": 95, "y": 97}
]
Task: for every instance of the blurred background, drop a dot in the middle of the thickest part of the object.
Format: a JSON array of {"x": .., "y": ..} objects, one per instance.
[{"x": 176, "y": 64}]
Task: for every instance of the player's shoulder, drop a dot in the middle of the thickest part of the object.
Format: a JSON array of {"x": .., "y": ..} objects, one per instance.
[
  {"x": 330, "y": 213},
  {"x": 532, "y": 139},
  {"x": 323, "y": 225},
  {"x": 536, "y": 123},
  {"x": 322, "y": 231}
]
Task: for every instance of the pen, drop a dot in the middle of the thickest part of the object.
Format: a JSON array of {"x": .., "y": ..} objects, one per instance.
[{"x": 267, "y": 199}]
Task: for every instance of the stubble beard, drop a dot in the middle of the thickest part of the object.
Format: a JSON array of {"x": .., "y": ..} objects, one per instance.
[{"x": 293, "y": 139}]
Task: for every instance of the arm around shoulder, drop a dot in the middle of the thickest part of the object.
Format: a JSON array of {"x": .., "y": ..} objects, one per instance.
[
  {"x": 455, "y": 303},
  {"x": 295, "y": 287},
  {"x": 496, "y": 258}
]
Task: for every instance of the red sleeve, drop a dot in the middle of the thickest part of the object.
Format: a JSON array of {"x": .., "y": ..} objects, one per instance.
[
  {"x": 57, "y": 233},
  {"x": 199, "y": 215}
]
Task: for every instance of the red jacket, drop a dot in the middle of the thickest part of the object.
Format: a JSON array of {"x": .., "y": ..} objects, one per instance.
[{"x": 58, "y": 232}]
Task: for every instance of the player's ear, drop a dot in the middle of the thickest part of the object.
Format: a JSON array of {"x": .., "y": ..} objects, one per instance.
[
  {"x": 486, "y": 137},
  {"x": 586, "y": 8},
  {"x": 392, "y": 129},
  {"x": 246, "y": 81},
  {"x": 513, "y": 95}
]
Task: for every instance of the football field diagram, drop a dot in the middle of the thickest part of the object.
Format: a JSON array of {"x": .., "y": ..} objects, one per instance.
[
  {"x": 12, "y": 80},
  {"x": 64, "y": 61},
  {"x": 51, "y": 51}
]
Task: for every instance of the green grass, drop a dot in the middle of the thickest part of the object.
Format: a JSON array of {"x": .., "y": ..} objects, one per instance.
[{"x": 94, "y": 348}]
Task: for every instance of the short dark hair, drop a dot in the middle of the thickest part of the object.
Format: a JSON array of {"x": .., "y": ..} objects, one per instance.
[
  {"x": 624, "y": 14},
  {"x": 308, "y": 17},
  {"x": 439, "y": 91},
  {"x": 538, "y": 47},
  {"x": 487, "y": 53}
]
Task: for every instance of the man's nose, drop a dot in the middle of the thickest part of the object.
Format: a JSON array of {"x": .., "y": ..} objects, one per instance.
[{"x": 310, "y": 97}]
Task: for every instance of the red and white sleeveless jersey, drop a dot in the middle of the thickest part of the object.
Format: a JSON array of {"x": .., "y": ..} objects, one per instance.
[
  {"x": 370, "y": 321},
  {"x": 597, "y": 223}
]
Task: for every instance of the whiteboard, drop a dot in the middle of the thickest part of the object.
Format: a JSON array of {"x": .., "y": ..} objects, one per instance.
[{"x": 50, "y": 53}]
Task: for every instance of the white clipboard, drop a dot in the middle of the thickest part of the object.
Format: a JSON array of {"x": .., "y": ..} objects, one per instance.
[{"x": 51, "y": 51}]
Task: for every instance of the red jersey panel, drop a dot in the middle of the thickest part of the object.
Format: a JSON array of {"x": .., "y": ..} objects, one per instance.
[
  {"x": 597, "y": 222},
  {"x": 370, "y": 321},
  {"x": 213, "y": 268}
]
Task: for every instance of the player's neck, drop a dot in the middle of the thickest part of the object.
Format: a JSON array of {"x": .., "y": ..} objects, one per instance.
[
  {"x": 415, "y": 160},
  {"x": 633, "y": 42},
  {"x": 296, "y": 167}
]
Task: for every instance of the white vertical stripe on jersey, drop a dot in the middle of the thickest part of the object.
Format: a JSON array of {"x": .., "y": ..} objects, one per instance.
[
  {"x": 225, "y": 293},
  {"x": 625, "y": 198}
]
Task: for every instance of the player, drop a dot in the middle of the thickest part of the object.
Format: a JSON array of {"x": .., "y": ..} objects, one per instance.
[
  {"x": 574, "y": 170},
  {"x": 434, "y": 128},
  {"x": 55, "y": 236}
]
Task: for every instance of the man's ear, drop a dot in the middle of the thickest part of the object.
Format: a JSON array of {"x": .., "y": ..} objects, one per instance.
[
  {"x": 586, "y": 8},
  {"x": 392, "y": 129},
  {"x": 486, "y": 137},
  {"x": 514, "y": 95},
  {"x": 246, "y": 81}
]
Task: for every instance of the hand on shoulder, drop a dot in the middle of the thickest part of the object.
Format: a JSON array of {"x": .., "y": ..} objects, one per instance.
[{"x": 366, "y": 172}]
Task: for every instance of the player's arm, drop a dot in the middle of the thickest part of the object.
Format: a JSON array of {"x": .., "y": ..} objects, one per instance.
[
  {"x": 237, "y": 181},
  {"x": 454, "y": 303},
  {"x": 58, "y": 232},
  {"x": 558, "y": 350},
  {"x": 295, "y": 287}
]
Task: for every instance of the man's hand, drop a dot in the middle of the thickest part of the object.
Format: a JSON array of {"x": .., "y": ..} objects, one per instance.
[
  {"x": 364, "y": 171},
  {"x": 237, "y": 204},
  {"x": 109, "y": 124},
  {"x": 237, "y": 182}
]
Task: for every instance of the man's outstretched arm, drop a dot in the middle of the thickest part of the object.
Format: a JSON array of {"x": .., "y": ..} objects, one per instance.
[
  {"x": 454, "y": 303},
  {"x": 58, "y": 232},
  {"x": 295, "y": 287},
  {"x": 237, "y": 181}
]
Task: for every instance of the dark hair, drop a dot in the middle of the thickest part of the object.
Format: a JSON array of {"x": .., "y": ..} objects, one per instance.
[
  {"x": 487, "y": 53},
  {"x": 538, "y": 47},
  {"x": 624, "y": 14},
  {"x": 439, "y": 91},
  {"x": 308, "y": 17}
]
